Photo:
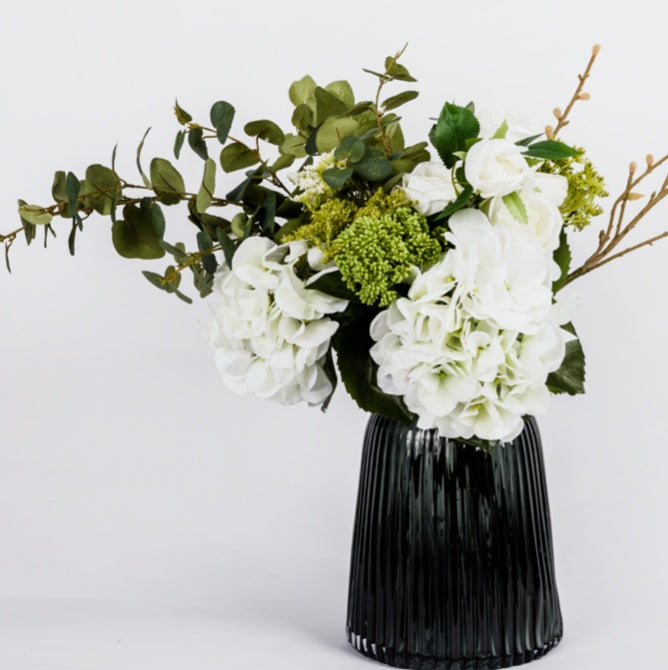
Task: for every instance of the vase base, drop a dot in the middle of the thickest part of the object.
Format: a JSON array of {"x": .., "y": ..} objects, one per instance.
[{"x": 402, "y": 660}]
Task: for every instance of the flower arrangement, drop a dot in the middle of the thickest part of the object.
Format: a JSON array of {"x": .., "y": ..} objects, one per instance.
[{"x": 433, "y": 283}]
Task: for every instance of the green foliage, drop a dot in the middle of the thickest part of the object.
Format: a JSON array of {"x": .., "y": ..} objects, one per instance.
[
  {"x": 34, "y": 214},
  {"x": 455, "y": 126},
  {"x": 205, "y": 194},
  {"x": 513, "y": 201},
  {"x": 100, "y": 189},
  {"x": 265, "y": 130},
  {"x": 382, "y": 245},
  {"x": 167, "y": 181},
  {"x": 197, "y": 144},
  {"x": 222, "y": 115},
  {"x": 585, "y": 188},
  {"x": 550, "y": 150},
  {"x": 326, "y": 224},
  {"x": 570, "y": 376},
  {"x": 139, "y": 233},
  {"x": 563, "y": 258},
  {"x": 352, "y": 343},
  {"x": 237, "y": 156}
]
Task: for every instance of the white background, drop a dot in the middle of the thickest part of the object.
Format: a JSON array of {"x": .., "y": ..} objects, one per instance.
[{"x": 151, "y": 519}]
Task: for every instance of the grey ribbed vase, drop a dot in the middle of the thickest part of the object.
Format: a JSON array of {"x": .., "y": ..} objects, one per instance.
[{"x": 452, "y": 563}]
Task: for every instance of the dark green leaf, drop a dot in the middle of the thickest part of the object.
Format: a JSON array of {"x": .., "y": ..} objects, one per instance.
[
  {"x": 205, "y": 194},
  {"x": 397, "y": 71},
  {"x": 7, "y": 263},
  {"x": 454, "y": 127},
  {"x": 562, "y": 257},
  {"x": 71, "y": 239},
  {"x": 72, "y": 188},
  {"x": 399, "y": 99},
  {"x": 550, "y": 150},
  {"x": 282, "y": 162},
  {"x": 139, "y": 233},
  {"x": 237, "y": 156},
  {"x": 167, "y": 181},
  {"x": 337, "y": 177},
  {"x": 570, "y": 376},
  {"x": 358, "y": 371},
  {"x": 374, "y": 169},
  {"x": 197, "y": 144},
  {"x": 265, "y": 130},
  {"x": 178, "y": 251},
  {"x": 333, "y": 284},
  {"x": 267, "y": 213},
  {"x": 178, "y": 143},
  {"x": 228, "y": 245},
  {"x": 222, "y": 115},
  {"x": 330, "y": 371},
  {"x": 181, "y": 115},
  {"x": 528, "y": 140},
  {"x": 462, "y": 201}
]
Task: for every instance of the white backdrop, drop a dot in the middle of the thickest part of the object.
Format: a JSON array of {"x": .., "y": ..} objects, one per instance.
[{"x": 151, "y": 519}]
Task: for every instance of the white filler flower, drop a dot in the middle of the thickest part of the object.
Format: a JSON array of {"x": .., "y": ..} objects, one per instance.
[
  {"x": 269, "y": 331},
  {"x": 471, "y": 346}
]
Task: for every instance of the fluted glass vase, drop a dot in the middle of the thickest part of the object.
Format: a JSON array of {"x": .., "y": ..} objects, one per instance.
[{"x": 452, "y": 562}]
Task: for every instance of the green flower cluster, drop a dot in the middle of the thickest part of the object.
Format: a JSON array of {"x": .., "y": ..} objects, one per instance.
[
  {"x": 585, "y": 187},
  {"x": 326, "y": 223},
  {"x": 380, "y": 248}
]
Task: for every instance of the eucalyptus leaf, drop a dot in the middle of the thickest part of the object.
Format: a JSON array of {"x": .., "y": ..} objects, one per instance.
[
  {"x": 399, "y": 99},
  {"x": 178, "y": 142},
  {"x": 301, "y": 90},
  {"x": 374, "y": 169},
  {"x": 206, "y": 190},
  {"x": 332, "y": 132},
  {"x": 102, "y": 189},
  {"x": 181, "y": 115},
  {"x": 327, "y": 105},
  {"x": 197, "y": 143},
  {"x": 58, "y": 190},
  {"x": 167, "y": 181},
  {"x": 34, "y": 214},
  {"x": 265, "y": 130},
  {"x": 337, "y": 177},
  {"x": 145, "y": 179},
  {"x": 237, "y": 156},
  {"x": 139, "y": 233},
  {"x": 222, "y": 115},
  {"x": 343, "y": 91}
]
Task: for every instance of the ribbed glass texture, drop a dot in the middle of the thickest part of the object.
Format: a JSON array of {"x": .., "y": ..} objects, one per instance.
[{"x": 452, "y": 563}]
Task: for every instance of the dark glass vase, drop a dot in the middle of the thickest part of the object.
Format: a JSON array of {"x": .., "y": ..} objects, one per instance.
[{"x": 452, "y": 563}]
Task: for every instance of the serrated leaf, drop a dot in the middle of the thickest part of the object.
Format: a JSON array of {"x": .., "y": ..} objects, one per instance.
[
  {"x": 501, "y": 131},
  {"x": 337, "y": 177},
  {"x": 515, "y": 205},
  {"x": 168, "y": 183},
  {"x": 237, "y": 156},
  {"x": 399, "y": 99},
  {"x": 550, "y": 150},
  {"x": 222, "y": 115},
  {"x": 358, "y": 371},
  {"x": 570, "y": 376},
  {"x": 454, "y": 127},
  {"x": 266, "y": 130},
  {"x": 563, "y": 258},
  {"x": 206, "y": 190},
  {"x": 197, "y": 144},
  {"x": 181, "y": 115}
]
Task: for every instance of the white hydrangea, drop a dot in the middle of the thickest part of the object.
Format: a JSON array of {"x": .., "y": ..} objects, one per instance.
[
  {"x": 470, "y": 348},
  {"x": 313, "y": 189},
  {"x": 269, "y": 331}
]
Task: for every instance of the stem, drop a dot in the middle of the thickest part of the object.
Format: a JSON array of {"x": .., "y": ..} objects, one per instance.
[{"x": 562, "y": 119}]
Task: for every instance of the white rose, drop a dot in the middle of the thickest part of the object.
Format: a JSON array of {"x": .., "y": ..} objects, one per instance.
[
  {"x": 430, "y": 187},
  {"x": 519, "y": 127},
  {"x": 544, "y": 219},
  {"x": 496, "y": 168},
  {"x": 552, "y": 186}
]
